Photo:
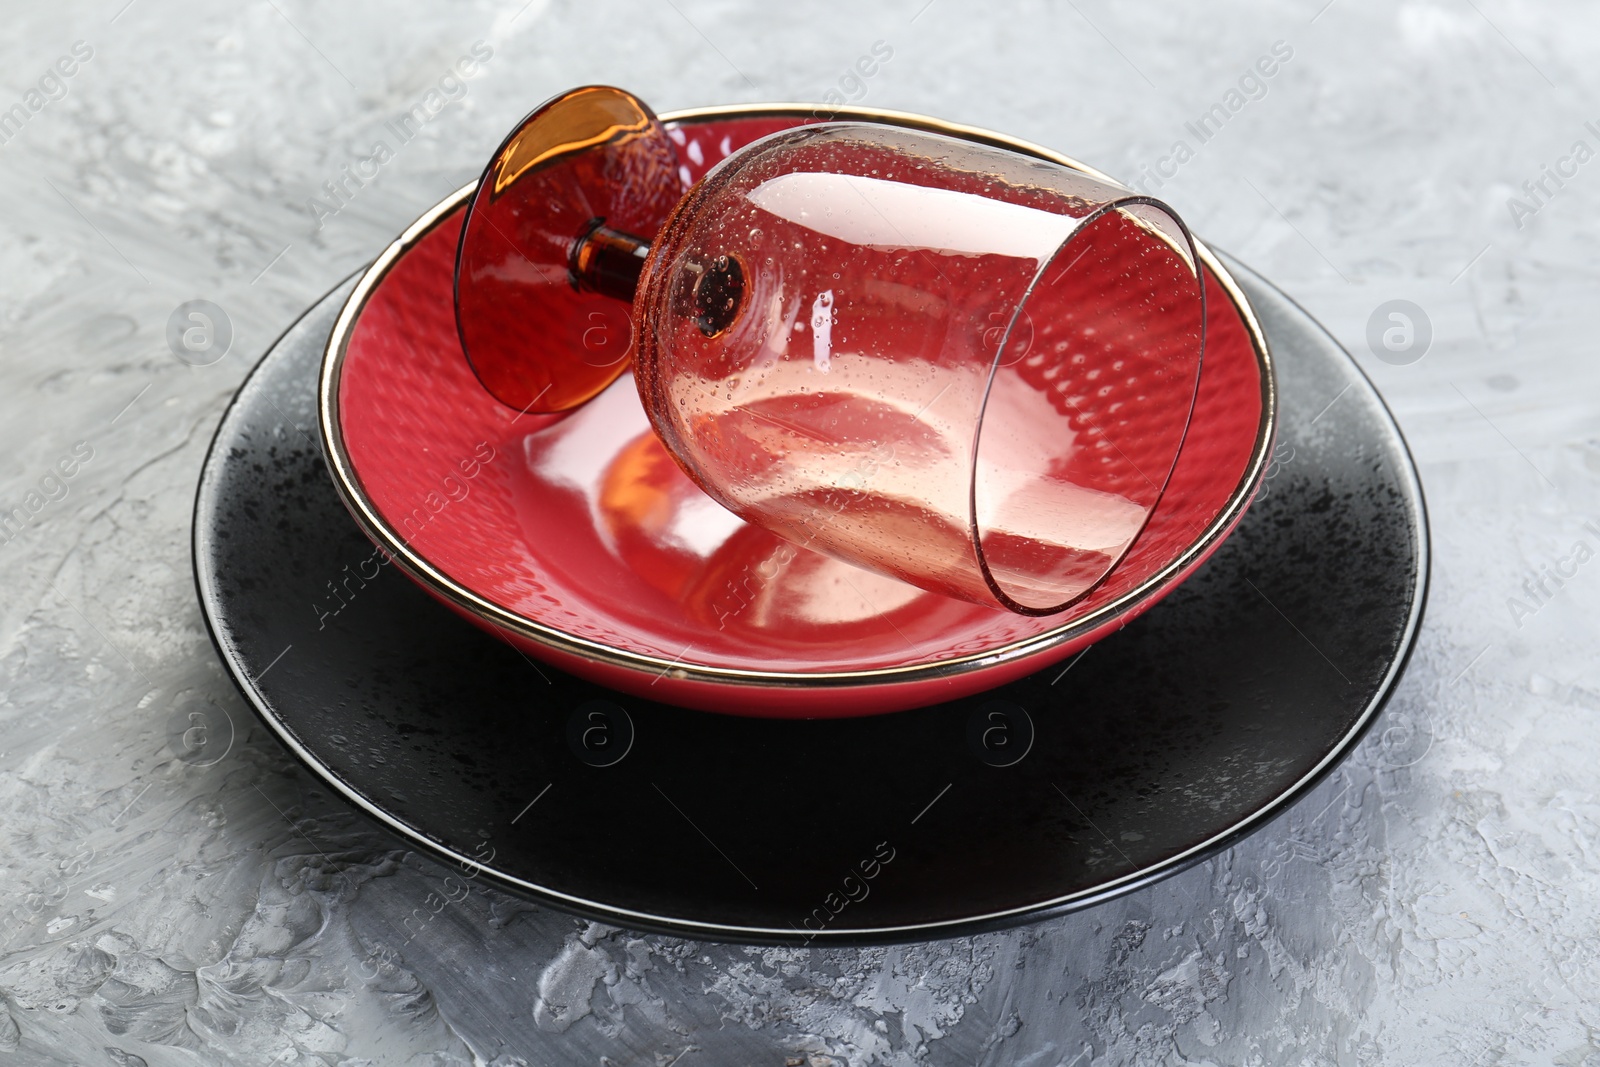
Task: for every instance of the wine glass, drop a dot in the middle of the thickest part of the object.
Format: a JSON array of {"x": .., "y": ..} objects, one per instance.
[{"x": 946, "y": 362}]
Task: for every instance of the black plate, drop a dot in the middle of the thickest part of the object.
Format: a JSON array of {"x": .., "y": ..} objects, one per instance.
[{"x": 1157, "y": 747}]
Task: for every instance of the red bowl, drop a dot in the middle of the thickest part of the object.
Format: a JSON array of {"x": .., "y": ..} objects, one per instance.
[{"x": 579, "y": 540}]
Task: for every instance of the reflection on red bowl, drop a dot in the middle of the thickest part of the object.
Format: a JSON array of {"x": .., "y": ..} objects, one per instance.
[{"x": 581, "y": 542}]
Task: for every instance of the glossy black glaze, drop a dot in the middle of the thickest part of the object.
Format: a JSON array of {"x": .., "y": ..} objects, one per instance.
[{"x": 1158, "y": 746}]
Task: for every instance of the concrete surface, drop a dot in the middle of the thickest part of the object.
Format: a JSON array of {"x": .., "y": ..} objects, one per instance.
[{"x": 1435, "y": 901}]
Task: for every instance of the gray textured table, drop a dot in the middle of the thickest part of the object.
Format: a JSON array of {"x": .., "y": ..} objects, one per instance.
[{"x": 1434, "y": 901}]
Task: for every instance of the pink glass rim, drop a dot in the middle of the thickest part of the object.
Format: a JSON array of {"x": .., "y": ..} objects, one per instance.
[{"x": 994, "y": 367}]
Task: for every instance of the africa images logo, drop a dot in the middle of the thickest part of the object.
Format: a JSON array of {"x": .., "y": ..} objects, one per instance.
[
  {"x": 342, "y": 188},
  {"x": 1251, "y": 86},
  {"x": 51, "y": 86}
]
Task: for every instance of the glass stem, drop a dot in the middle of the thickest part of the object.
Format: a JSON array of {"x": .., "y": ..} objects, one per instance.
[{"x": 608, "y": 261}]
